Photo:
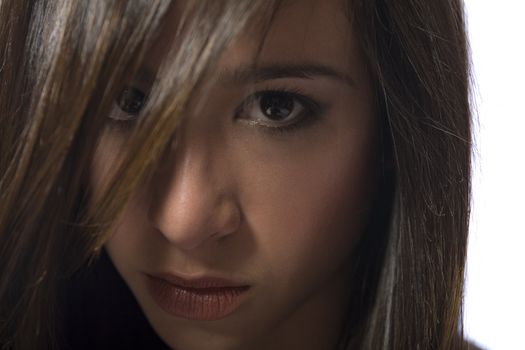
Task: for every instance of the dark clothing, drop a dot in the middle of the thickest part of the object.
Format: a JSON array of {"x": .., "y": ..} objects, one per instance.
[{"x": 100, "y": 312}]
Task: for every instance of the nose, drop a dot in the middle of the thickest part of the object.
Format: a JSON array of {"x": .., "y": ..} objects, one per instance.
[{"x": 192, "y": 203}]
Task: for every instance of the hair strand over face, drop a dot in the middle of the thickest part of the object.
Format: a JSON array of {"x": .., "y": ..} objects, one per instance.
[{"x": 63, "y": 63}]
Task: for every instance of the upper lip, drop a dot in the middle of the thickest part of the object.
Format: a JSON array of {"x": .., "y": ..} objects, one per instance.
[{"x": 198, "y": 282}]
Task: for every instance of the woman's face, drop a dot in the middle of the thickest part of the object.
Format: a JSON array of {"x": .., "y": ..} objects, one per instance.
[{"x": 269, "y": 192}]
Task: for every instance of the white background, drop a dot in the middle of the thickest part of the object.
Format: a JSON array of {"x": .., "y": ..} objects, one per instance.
[{"x": 495, "y": 293}]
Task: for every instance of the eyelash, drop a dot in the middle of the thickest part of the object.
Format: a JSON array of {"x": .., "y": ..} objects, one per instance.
[
  {"x": 312, "y": 110},
  {"x": 122, "y": 119}
]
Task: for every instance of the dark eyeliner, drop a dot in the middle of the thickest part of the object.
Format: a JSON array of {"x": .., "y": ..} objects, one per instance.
[
  {"x": 127, "y": 107},
  {"x": 313, "y": 110}
]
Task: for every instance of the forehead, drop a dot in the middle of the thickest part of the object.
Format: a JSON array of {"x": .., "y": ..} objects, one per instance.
[
  {"x": 302, "y": 31},
  {"x": 310, "y": 28}
]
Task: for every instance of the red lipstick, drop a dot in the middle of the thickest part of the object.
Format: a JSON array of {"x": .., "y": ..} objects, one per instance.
[{"x": 203, "y": 299}]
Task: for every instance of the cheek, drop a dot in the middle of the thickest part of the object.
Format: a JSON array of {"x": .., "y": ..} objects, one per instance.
[
  {"x": 127, "y": 235},
  {"x": 311, "y": 208},
  {"x": 133, "y": 244},
  {"x": 106, "y": 160}
]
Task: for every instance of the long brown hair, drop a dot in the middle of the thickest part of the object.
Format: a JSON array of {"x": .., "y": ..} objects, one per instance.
[
  {"x": 418, "y": 52},
  {"x": 62, "y": 65}
]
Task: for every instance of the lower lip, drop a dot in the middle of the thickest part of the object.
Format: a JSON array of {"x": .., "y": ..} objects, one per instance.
[{"x": 202, "y": 304}]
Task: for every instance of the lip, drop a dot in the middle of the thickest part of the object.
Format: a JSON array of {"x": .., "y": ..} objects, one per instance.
[
  {"x": 198, "y": 282},
  {"x": 203, "y": 298}
]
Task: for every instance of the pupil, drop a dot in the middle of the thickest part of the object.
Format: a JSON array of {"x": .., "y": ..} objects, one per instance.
[
  {"x": 276, "y": 105},
  {"x": 131, "y": 100}
]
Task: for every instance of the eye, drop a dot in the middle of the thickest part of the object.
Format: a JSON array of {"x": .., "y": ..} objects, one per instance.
[
  {"x": 130, "y": 103},
  {"x": 278, "y": 110}
]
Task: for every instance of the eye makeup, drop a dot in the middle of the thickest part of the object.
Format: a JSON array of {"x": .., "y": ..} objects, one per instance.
[
  {"x": 130, "y": 101},
  {"x": 279, "y": 110}
]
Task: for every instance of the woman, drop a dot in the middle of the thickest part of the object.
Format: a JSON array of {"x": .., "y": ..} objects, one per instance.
[{"x": 234, "y": 175}]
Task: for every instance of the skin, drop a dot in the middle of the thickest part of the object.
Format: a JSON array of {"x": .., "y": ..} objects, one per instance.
[{"x": 278, "y": 211}]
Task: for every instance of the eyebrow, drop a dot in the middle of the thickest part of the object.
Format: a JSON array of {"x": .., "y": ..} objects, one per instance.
[{"x": 256, "y": 74}]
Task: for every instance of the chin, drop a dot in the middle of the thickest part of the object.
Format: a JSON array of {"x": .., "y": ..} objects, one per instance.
[{"x": 182, "y": 334}]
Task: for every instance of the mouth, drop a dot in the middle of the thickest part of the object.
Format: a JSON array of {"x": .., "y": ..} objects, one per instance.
[{"x": 202, "y": 299}]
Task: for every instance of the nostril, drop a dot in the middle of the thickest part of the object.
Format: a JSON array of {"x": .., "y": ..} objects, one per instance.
[{"x": 228, "y": 217}]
